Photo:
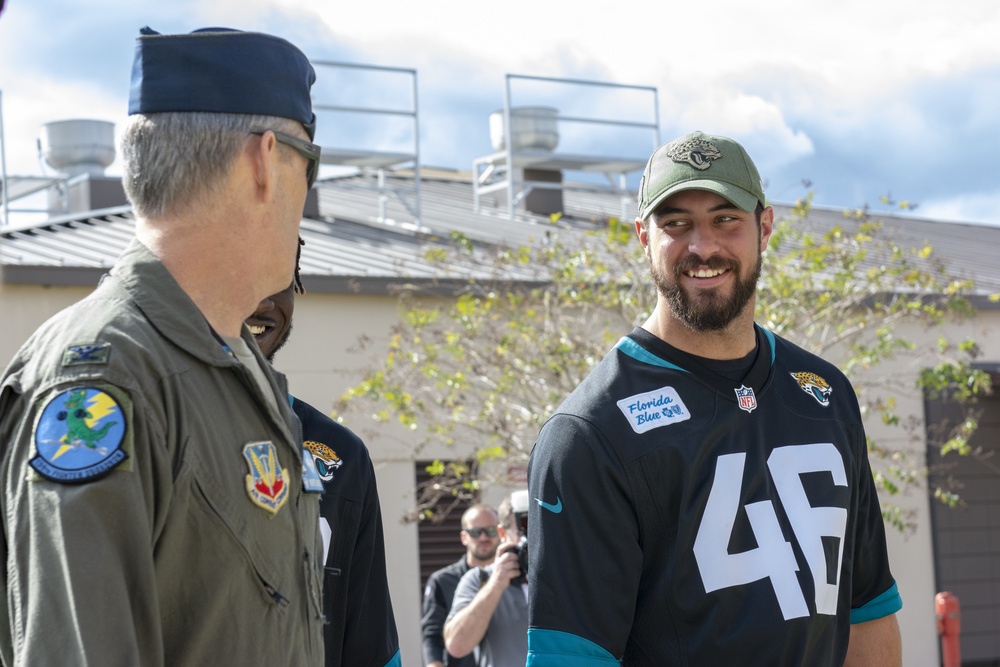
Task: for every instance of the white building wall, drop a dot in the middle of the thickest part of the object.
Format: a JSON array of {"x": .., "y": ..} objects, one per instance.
[{"x": 323, "y": 360}]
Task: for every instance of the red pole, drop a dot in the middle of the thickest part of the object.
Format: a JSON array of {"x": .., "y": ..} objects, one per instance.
[{"x": 948, "y": 626}]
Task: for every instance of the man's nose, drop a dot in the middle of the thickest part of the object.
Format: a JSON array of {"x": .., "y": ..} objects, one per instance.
[
  {"x": 703, "y": 240},
  {"x": 264, "y": 306}
]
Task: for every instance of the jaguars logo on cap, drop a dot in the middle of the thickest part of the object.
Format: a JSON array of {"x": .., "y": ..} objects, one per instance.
[
  {"x": 696, "y": 152},
  {"x": 80, "y": 435}
]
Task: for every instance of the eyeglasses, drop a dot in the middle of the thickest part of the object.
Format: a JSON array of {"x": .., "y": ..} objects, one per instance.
[
  {"x": 306, "y": 149},
  {"x": 474, "y": 533}
]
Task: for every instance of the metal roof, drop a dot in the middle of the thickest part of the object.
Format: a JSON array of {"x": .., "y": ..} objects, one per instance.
[{"x": 350, "y": 249}]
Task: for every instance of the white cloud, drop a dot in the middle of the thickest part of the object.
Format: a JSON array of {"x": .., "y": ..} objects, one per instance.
[
  {"x": 807, "y": 87},
  {"x": 27, "y": 108},
  {"x": 983, "y": 208}
]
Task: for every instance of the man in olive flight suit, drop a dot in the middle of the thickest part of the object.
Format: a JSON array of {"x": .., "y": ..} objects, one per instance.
[{"x": 156, "y": 505}]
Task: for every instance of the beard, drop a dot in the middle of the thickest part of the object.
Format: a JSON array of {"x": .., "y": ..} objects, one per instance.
[{"x": 711, "y": 311}]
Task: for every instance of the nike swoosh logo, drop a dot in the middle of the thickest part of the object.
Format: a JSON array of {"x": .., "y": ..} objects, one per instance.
[{"x": 555, "y": 509}]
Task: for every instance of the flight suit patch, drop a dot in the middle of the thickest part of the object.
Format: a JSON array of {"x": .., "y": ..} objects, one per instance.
[
  {"x": 81, "y": 434},
  {"x": 78, "y": 355},
  {"x": 267, "y": 483}
]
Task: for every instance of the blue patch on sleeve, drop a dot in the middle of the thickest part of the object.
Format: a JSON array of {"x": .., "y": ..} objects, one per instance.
[
  {"x": 396, "y": 661},
  {"x": 888, "y": 603},
  {"x": 80, "y": 435},
  {"x": 552, "y": 648}
]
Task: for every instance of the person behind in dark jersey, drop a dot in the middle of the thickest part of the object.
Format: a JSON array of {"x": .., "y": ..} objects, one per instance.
[
  {"x": 704, "y": 497},
  {"x": 360, "y": 627}
]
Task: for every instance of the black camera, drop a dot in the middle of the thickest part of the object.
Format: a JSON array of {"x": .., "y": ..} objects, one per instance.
[
  {"x": 519, "y": 506},
  {"x": 522, "y": 554}
]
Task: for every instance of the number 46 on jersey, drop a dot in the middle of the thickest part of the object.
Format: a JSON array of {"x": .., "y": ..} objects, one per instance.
[{"x": 773, "y": 558}]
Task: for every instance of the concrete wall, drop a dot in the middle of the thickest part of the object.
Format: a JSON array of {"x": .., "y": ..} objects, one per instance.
[
  {"x": 323, "y": 359},
  {"x": 26, "y": 307}
]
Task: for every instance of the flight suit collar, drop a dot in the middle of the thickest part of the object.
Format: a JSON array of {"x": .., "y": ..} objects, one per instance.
[
  {"x": 172, "y": 312},
  {"x": 167, "y": 306}
]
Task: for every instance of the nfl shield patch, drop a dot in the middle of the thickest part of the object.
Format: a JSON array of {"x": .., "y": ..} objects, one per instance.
[
  {"x": 267, "y": 483},
  {"x": 746, "y": 398}
]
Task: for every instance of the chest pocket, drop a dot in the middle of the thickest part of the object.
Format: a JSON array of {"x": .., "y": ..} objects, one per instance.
[{"x": 236, "y": 527}]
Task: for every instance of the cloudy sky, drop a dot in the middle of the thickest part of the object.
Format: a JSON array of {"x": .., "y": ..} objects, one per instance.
[{"x": 851, "y": 99}]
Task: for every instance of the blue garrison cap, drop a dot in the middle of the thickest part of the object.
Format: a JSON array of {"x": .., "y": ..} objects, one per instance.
[{"x": 221, "y": 70}]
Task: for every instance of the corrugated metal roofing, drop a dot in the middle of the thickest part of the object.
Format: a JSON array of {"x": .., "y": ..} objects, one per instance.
[{"x": 350, "y": 248}]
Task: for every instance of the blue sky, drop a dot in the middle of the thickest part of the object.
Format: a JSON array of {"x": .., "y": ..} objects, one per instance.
[{"x": 859, "y": 98}]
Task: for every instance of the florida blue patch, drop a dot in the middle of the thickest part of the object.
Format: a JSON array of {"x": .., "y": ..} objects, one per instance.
[{"x": 80, "y": 435}]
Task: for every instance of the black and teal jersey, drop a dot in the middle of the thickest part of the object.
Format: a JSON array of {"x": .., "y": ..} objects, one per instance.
[
  {"x": 683, "y": 518},
  {"x": 361, "y": 628}
]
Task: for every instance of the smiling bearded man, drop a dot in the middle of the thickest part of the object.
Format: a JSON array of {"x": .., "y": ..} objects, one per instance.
[{"x": 726, "y": 512}]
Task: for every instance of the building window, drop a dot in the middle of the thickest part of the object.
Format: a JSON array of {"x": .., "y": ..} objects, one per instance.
[{"x": 438, "y": 528}]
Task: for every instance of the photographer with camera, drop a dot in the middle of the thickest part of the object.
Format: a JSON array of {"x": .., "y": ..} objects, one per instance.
[{"x": 489, "y": 614}]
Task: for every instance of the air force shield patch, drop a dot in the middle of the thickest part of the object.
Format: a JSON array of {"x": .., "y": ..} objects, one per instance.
[{"x": 267, "y": 483}]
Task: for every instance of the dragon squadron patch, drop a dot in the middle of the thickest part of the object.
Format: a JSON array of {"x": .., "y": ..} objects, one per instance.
[{"x": 81, "y": 434}]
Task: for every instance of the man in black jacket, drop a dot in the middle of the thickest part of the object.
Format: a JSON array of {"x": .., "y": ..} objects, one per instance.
[{"x": 360, "y": 629}]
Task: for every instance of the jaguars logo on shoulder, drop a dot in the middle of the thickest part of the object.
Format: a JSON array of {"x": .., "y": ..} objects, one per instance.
[
  {"x": 80, "y": 435},
  {"x": 327, "y": 461},
  {"x": 815, "y": 386},
  {"x": 696, "y": 152}
]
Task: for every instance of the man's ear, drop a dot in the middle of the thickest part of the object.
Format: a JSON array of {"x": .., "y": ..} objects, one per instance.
[
  {"x": 766, "y": 226},
  {"x": 263, "y": 156},
  {"x": 642, "y": 231}
]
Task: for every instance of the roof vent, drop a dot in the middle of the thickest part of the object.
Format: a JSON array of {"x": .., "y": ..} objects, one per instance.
[
  {"x": 530, "y": 128},
  {"x": 75, "y": 147}
]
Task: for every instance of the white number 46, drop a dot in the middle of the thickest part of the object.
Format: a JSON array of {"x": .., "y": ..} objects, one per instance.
[{"x": 773, "y": 557}]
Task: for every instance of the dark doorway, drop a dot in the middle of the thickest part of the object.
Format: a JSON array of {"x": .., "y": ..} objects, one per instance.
[
  {"x": 439, "y": 542},
  {"x": 967, "y": 538}
]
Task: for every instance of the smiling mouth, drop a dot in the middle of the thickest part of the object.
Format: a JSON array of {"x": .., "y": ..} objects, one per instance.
[
  {"x": 259, "y": 328},
  {"x": 705, "y": 273}
]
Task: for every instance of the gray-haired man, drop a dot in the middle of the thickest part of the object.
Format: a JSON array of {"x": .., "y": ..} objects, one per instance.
[{"x": 156, "y": 510}]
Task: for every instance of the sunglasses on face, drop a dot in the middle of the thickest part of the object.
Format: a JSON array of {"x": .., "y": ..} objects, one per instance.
[
  {"x": 474, "y": 533},
  {"x": 306, "y": 149}
]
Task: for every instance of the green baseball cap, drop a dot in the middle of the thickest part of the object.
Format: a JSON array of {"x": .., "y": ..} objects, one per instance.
[{"x": 700, "y": 161}]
